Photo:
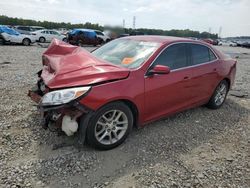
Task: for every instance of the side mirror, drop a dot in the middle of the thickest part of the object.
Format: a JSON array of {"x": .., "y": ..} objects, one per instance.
[{"x": 159, "y": 69}]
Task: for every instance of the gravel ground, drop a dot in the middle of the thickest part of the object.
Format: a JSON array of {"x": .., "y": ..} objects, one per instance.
[{"x": 196, "y": 148}]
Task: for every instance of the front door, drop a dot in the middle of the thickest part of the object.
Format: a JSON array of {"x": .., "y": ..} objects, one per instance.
[{"x": 169, "y": 93}]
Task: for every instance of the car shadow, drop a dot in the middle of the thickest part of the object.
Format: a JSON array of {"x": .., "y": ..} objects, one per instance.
[{"x": 158, "y": 141}]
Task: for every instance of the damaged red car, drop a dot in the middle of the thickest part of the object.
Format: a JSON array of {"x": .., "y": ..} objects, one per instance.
[{"x": 128, "y": 82}]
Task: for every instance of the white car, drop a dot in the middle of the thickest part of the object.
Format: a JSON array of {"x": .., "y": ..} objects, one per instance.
[
  {"x": 11, "y": 36},
  {"x": 102, "y": 37},
  {"x": 46, "y": 35},
  {"x": 227, "y": 43}
]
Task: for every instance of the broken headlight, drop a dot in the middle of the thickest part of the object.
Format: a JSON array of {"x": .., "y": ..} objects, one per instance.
[{"x": 63, "y": 96}]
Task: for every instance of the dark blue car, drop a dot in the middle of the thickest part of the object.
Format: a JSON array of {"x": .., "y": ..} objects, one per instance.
[{"x": 83, "y": 36}]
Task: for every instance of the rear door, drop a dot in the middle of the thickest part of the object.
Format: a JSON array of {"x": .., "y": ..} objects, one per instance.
[
  {"x": 204, "y": 71},
  {"x": 171, "y": 92}
]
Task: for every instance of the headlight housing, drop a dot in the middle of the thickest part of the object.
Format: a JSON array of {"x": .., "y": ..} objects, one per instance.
[{"x": 63, "y": 96}]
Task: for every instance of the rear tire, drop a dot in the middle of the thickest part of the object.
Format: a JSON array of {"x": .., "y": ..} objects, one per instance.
[
  {"x": 26, "y": 42},
  {"x": 219, "y": 95},
  {"x": 109, "y": 126},
  {"x": 42, "y": 40}
]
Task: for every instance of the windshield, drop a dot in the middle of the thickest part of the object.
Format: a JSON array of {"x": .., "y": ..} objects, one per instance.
[
  {"x": 126, "y": 52},
  {"x": 10, "y": 31}
]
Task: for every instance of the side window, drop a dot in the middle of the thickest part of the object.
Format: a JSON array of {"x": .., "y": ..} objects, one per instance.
[
  {"x": 22, "y": 28},
  {"x": 43, "y": 32},
  {"x": 53, "y": 33},
  {"x": 211, "y": 56},
  {"x": 200, "y": 54},
  {"x": 97, "y": 32},
  {"x": 174, "y": 57}
]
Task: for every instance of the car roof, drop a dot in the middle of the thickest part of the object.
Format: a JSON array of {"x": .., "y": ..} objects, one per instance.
[
  {"x": 37, "y": 26},
  {"x": 44, "y": 30},
  {"x": 160, "y": 39},
  {"x": 89, "y": 30}
]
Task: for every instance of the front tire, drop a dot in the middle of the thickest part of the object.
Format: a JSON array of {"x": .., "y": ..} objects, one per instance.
[
  {"x": 219, "y": 95},
  {"x": 110, "y": 126}
]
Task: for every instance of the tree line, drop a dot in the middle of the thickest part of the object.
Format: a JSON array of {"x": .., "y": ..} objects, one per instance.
[{"x": 5, "y": 20}]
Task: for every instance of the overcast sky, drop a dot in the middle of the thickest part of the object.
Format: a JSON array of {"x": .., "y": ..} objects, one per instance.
[{"x": 232, "y": 15}]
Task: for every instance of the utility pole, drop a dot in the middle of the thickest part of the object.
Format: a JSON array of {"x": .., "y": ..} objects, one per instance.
[
  {"x": 220, "y": 31},
  {"x": 123, "y": 23},
  {"x": 134, "y": 19}
]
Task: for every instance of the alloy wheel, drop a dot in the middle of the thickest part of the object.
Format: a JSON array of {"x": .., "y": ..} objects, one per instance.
[
  {"x": 221, "y": 93},
  {"x": 111, "y": 127}
]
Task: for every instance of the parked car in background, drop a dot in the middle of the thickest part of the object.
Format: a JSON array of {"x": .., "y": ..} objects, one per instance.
[
  {"x": 81, "y": 37},
  {"x": 10, "y": 35},
  {"x": 36, "y": 28},
  {"x": 227, "y": 43},
  {"x": 211, "y": 41},
  {"x": 128, "y": 82},
  {"x": 123, "y": 35},
  {"x": 47, "y": 35},
  {"x": 24, "y": 29},
  {"x": 246, "y": 44},
  {"x": 133, "y": 33},
  {"x": 102, "y": 37},
  {"x": 63, "y": 31},
  {"x": 239, "y": 42}
]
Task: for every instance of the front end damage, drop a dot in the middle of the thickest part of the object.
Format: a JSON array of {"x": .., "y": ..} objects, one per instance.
[
  {"x": 65, "y": 117},
  {"x": 68, "y": 75}
]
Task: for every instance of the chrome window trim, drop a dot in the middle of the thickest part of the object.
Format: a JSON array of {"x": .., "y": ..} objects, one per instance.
[{"x": 191, "y": 66}]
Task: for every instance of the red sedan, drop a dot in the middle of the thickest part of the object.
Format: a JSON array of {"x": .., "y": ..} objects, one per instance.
[{"x": 128, "y": 82}]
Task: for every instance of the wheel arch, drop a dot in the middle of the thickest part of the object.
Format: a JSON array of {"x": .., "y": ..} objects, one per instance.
[
  {"x": 42, "y": 37},
  {"x": 132, "y": 106},
  {"x": 228, "y": 81},
  {"x": 26, "y": 38}
]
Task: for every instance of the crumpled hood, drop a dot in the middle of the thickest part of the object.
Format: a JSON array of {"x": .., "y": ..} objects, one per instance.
[{"x": 65, "y": 65}]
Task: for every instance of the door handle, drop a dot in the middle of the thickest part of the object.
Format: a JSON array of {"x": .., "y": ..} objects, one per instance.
[{"x": 186, "y": 77}]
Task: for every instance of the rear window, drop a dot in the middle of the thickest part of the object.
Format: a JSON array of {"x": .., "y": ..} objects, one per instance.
[{"x": 201, "y": 54}]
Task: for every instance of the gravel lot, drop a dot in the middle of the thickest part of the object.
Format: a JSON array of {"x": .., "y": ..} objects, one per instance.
[{"x": 196, "y": 148}]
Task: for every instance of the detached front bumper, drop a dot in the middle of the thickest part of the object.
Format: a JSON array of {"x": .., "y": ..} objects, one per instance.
[{"x": 66, "y": 116}]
